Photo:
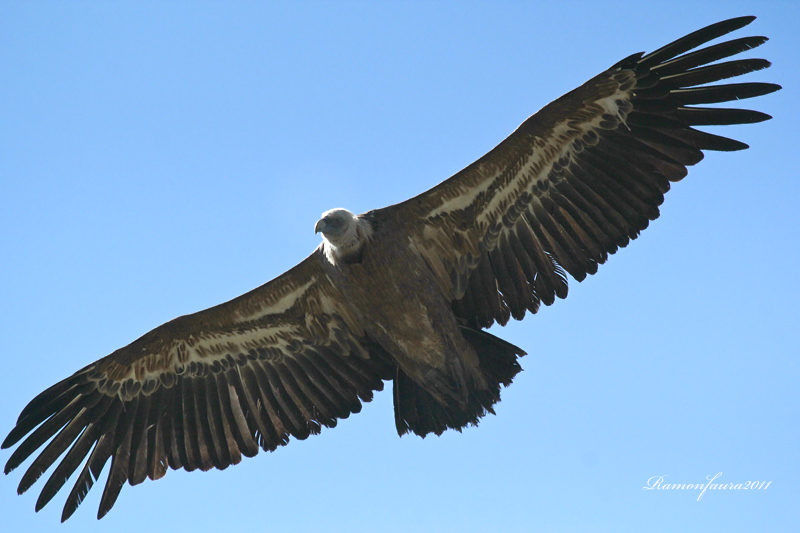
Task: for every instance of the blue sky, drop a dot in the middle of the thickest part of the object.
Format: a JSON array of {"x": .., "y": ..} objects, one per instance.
[{"x": 159, "y": 158}]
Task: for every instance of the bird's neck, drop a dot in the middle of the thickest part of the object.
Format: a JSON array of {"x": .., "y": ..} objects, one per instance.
[{"x": 348, "y": 247}]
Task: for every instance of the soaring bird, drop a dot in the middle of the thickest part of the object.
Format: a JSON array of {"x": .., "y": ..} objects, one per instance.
[{"x": 403, "y": 293}]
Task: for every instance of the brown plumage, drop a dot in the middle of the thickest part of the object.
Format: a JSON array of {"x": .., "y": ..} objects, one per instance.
[{"x": 401, "y": 293}]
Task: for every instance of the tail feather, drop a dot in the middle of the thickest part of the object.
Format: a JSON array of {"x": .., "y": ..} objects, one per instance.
[{"x": 417, "y": 411}]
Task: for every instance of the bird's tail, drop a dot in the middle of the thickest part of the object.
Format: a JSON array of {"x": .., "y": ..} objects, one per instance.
[{"x": 416, "y": 409}]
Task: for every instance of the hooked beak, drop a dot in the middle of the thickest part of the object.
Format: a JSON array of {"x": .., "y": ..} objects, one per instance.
[{"x": 321, "y": 226}]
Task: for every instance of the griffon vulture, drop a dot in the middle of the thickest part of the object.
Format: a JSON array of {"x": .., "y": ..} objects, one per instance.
[{"x": 402, "y": 293}]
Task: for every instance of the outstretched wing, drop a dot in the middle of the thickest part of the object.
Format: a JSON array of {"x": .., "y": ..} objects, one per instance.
[
  {"x": 204, "y": 389},
  {"x": 580, "y": 178}
]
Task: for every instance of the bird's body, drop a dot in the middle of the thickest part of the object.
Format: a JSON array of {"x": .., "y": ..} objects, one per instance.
[
  {"x": 399, "y": 294},
  {"x": 409, "y": 316}
]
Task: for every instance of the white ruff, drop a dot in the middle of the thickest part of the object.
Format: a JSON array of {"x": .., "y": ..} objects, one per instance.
[{"x": 357, "y": 233}]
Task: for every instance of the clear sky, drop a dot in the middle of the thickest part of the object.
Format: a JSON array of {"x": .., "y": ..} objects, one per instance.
[{"x": 157, "y": 158}]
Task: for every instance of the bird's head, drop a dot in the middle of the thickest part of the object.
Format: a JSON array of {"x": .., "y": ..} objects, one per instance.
[
  {"x": 336, "y": 224},
  {"x": 343, "y": 234}
]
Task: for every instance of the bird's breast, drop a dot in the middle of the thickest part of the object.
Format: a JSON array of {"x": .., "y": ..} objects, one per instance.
[{"x": 400, "y": 306}]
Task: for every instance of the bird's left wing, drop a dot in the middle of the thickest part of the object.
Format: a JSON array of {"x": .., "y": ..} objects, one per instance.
[
  {"x": 202, "y": 390},
  {"x": 578, "y": 179}
]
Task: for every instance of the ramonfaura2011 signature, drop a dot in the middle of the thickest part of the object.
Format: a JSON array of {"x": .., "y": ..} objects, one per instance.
[{"x": 658, "y": 483}]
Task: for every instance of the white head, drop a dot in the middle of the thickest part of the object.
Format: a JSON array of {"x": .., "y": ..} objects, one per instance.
[{"x": 343, "y": 233}]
